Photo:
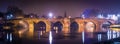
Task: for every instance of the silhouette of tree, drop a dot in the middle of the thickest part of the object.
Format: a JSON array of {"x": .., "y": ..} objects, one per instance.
[
  {"x": 59, "y": 17},
  {"x": 1, "y": 15},
  {"x": 44, "y": 16},
  {"x": 90, "y": 13},
  {"x": 14, "y": 10}
]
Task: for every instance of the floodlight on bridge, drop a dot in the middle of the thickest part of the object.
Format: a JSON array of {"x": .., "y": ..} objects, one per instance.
[{"x": 50, "y": 15}]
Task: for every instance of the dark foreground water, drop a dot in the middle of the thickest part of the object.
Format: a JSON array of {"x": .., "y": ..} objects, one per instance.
[{"x": 70, "y": 38}]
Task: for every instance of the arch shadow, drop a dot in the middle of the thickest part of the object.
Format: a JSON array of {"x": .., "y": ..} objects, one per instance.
[
  {"x": 57, "y": 26},
  {"x": 40, "y": 26},
  {"x": 74, "y": 27}
]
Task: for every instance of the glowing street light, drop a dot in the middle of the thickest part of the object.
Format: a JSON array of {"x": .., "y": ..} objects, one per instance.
[{"x": 50, "y": 15}]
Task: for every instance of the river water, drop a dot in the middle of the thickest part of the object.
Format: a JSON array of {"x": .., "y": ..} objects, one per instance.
[
  {"x": 71, "y": 38},
  {"x": 53, "y": 37}
]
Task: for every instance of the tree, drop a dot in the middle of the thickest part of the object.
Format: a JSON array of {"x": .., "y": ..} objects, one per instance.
[
  {"x": 44, "y": 16},
  {"x": 59, "y": 17},
  {"x": 1, "y": 15},
  {"x": 14, "y": 10},
  {"x": 90, "y": 13}
]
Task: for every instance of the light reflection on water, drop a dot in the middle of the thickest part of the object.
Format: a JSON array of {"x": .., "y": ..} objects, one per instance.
[
  {"x": 83, "y": 37},
  {"x": 112, "y": 35},
  {"x": 9, "y": 37},
  {"x": 118, "y": 34},
  {"x": 99, "y": 37},
  {"x": 108, "y": 35},
  {"x": 50, "y": 37},
  {"x": 39, "y": 33}
]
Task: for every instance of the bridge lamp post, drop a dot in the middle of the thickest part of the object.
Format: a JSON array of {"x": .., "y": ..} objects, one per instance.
[{"x": 50, "y": 15}]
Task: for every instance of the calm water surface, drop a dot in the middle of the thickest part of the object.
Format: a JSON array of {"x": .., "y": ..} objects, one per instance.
[
  {"x": 71, "y": 38},
  {"x": 52, "y": 37}
]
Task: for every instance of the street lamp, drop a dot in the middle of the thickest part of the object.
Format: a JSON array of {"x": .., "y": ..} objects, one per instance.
[{"x": 50, "y": 15}]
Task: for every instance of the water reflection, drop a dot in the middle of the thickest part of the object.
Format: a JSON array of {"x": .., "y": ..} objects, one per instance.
[
  {"x": 118, "y": 34},
  {"x": 50, "y": 37},
  {"x": 39, "y": 34},
  {"x": 114, "y": 34},
  {"x": 99, "y": 37},
  {"x": 9, "y": 37},
  {"x": 83, "y": 37},
  {"x": 109, "y": 35}
]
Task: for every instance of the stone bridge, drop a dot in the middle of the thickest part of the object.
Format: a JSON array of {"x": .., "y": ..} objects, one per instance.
[{"x": 65, "y": 25}]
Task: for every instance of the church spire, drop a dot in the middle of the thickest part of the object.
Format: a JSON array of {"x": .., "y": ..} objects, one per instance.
[{"x": 65, "y": 14}]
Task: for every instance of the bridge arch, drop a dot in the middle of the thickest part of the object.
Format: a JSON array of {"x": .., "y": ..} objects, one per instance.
[
  {"x": 21, "y": 26},
  {"x": 79, "y": 23},
  {"x": 74, "y": 26},
  {"x": 90, "y": 26},
  {"x": 105, "y": 25},
  {"x": 42, "y": 25},
  {"x": 24, "y": 25},
  {"x": 58, "y": 26}
]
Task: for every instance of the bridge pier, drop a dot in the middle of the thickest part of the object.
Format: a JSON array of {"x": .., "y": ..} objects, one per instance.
[
  {"x": 66, "y": 25},
  {"x": 31, "y": 29}
]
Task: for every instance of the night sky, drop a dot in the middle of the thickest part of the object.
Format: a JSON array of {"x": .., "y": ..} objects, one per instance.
[{"x": 73, "y": 8}]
